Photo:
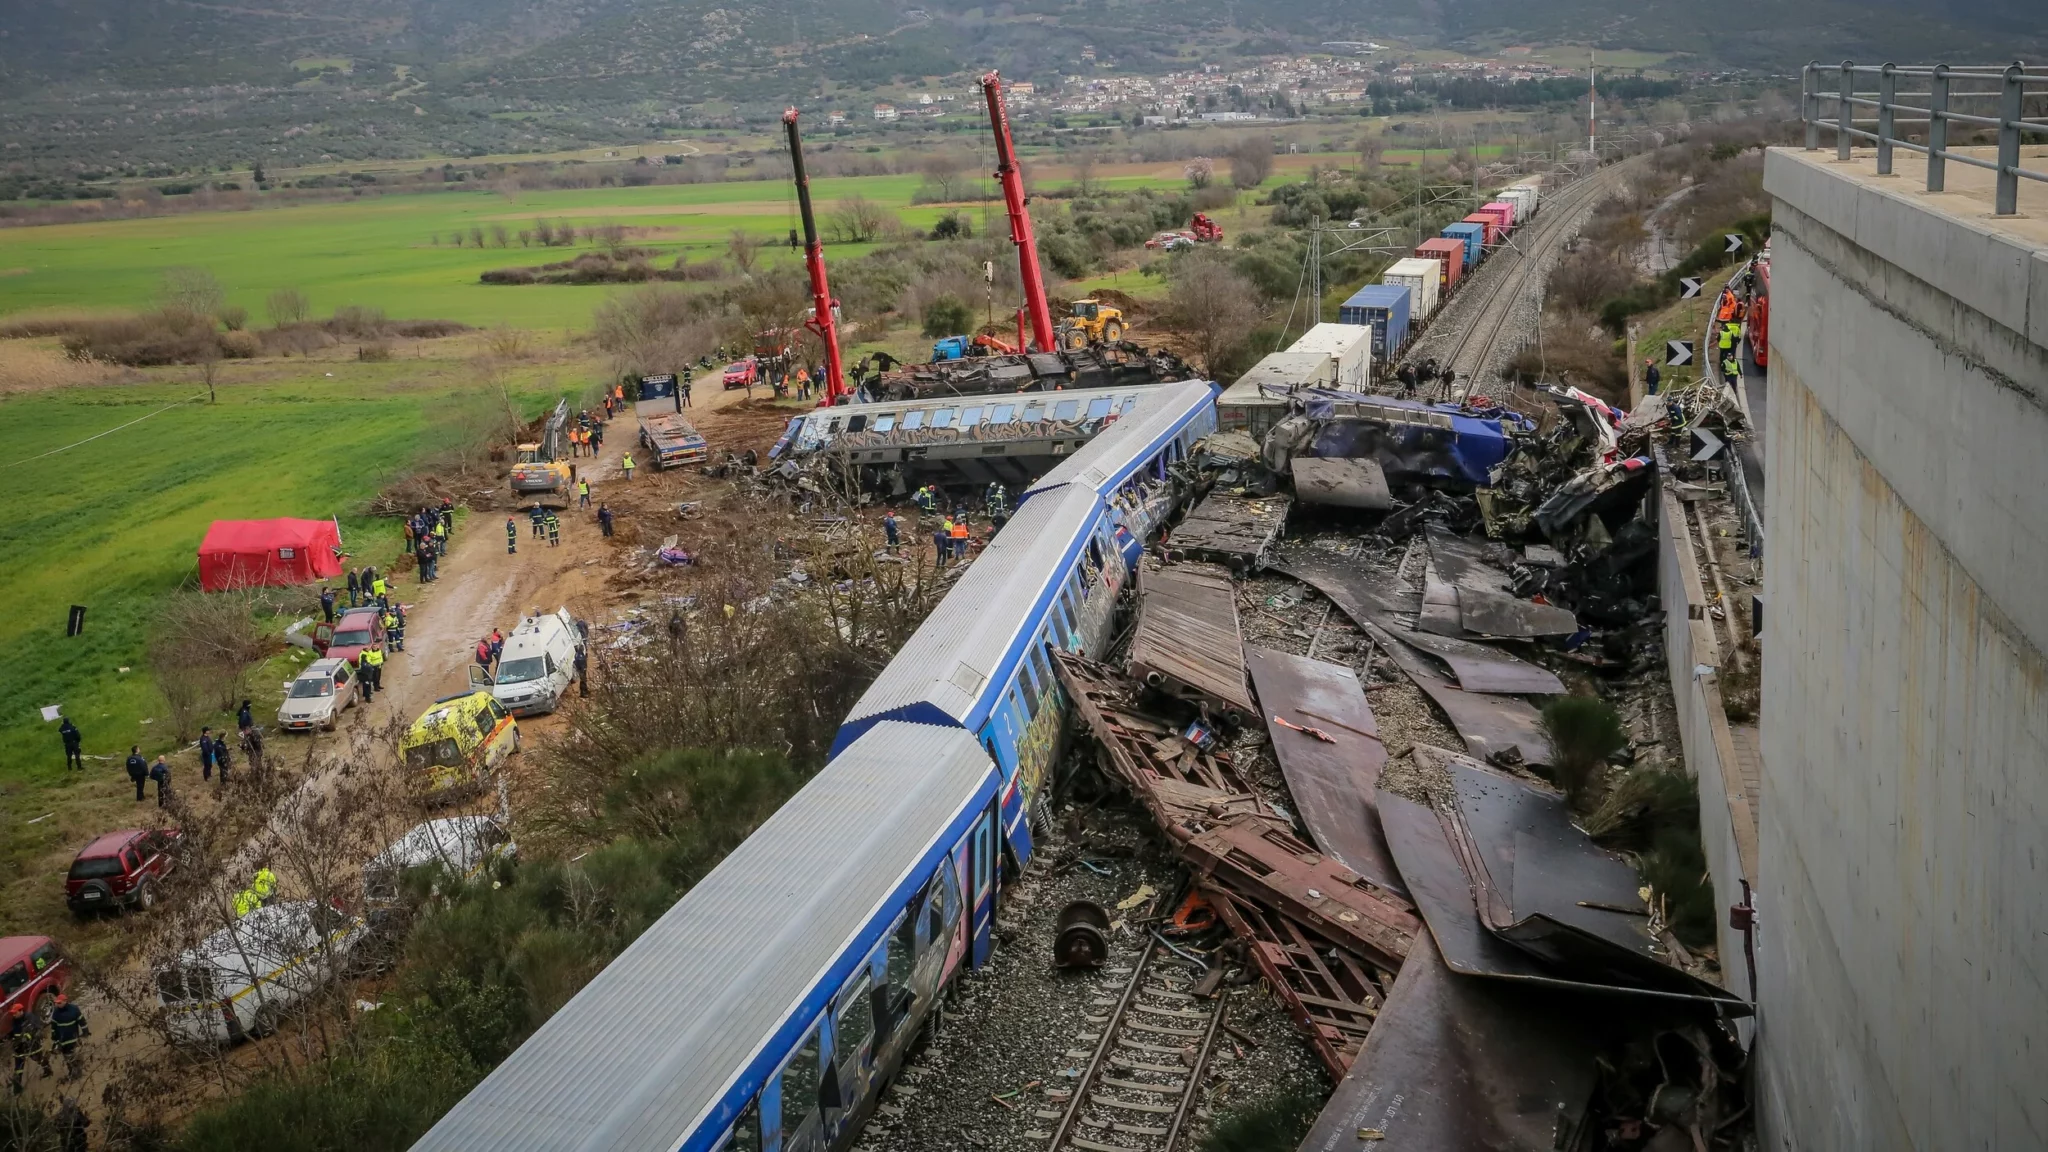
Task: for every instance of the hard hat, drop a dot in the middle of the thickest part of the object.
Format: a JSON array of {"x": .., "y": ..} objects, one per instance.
[
  {"x": 18, "y": 1010},
  {"x": 61, "y": 999}
]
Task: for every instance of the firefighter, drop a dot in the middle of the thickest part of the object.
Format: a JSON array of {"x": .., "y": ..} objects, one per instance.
[
  {"x": 539, "y": 516},
  {"x": 373, "y": 673},
  {"x": 511, "y": 535},
  {"x": 554, "y": 524},
  {"x": 27, "y": 1041},
  {"x": 67, "y": 1028}
]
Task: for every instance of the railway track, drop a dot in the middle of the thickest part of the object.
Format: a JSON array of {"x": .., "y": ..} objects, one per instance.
[
  {"x": 1562, "y": 216},
  {"x": 1141, "y": 1078}
]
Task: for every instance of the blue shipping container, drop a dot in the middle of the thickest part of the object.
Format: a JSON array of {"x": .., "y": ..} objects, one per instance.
[
  {"x": 1474, "y": 236},
  {"x": 1385, "y": 307}
]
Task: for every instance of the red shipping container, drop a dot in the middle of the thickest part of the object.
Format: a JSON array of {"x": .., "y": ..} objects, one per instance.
[
  {"x": 1452, "y": 253},
  {"x": 1492, "y": 221},
  {"x": 1506, "y": 207}
]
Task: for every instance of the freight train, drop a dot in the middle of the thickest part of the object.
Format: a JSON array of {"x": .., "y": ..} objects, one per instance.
[
  {"x": 1413, "y": 289},
  {"x": 768, "y": 1009}
]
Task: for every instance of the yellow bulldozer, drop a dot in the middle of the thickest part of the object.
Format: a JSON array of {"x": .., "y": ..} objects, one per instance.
[{"x": 1092, "y": 322}]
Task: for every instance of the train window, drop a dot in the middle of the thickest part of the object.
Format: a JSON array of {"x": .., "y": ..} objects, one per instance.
[
  {"x": 833, "y": 426},
  {"x": 800, "y": 1088},
  {"x": 1066, "y": 410},
  {"x": 1099, "y": 407},
  {"x": 856, "y": 1022},
  {"x": 856, "y": 422},
  {"x": 893, "y": 1001},
  {"x": 1130, "y": 402},
  {"x": 746, "y": 1131},
  {"x": 1095, "y": 555},
  {"x": 885, "y": 421},
  {"x": 1067, "y": 617},
  {"x": 913, "y": 420},
  {"x": 1034, "y": 412},
  {"x": 1002, "y": 414},
  {"x": 971, "y": 416},
  {"x": 943, "y": 418},
  {"x": 1039, "y": 665}
]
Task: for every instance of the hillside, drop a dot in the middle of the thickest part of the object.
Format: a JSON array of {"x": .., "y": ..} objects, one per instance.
[{"x": 173, "y": 85}]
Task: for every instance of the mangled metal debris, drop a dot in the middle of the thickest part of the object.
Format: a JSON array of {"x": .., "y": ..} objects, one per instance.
[
  {"x": 1466, "y": 592},
  {"x": 1360, "y": 484},
  {"x": 1186, "y": 641},
  {"x": 1102, "y": 366},
  {"x": 1230, "y": 529}
]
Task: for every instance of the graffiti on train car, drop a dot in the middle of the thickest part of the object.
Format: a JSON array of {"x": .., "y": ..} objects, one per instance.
[{"x": 1039, "y": 745}]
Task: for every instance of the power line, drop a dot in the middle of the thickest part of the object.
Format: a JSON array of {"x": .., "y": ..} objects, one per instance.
[{"x": 110, "y": 431}]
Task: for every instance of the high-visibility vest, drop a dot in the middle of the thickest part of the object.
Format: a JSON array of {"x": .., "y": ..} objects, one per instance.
[
  {"x": 583, "y": 487},
  {"x": 627, "y": 463},
  {"x": 377, "y": 586},
  {"x": 264, "y": 884},
  {"x": 374, "y": 657},
  {"x": 246, "y": 902},
  {"x": 959, "y": 531}
]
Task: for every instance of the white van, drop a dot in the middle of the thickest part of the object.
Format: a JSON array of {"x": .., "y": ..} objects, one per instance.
[
  {"x": 465, "y": 845},
  {"x": 537, "y": 665},
  {"x": 241, "y": 980}
]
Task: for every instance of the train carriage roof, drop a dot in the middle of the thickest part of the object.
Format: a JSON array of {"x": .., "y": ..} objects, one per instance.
[
  {"x": 942, "y": 675},
  {"x": 654, "y": 1042},
  {"x": 1110, "y": 458}
]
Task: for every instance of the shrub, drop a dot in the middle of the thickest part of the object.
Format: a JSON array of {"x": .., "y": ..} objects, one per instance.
[
  {"x": 357, "y": 322},
  {"x": 240, "y": 345},
  {"x": 234, "y": 317},
  {"x": 947, "y": 316},
  {"x": 1275, "y": 1124},
  {"x": 1583, "y": 731},
  {"x": 376, "y": 352},
  {"x": 142, "y": 341}
]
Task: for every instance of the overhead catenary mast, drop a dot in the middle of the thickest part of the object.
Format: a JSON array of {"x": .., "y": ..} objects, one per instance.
[
  {"x": 1043, "y": 336},
  {"x": 824, "y": 309},
  {"x": 1592, "y": 109}
]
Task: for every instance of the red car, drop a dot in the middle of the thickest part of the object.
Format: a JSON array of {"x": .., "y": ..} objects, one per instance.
[
  {"x": 120, "y": 870},
  {"x": 743, "y": 373},
  {"x": 32, "y": 972},
  {"x": 355, "y": 630}
]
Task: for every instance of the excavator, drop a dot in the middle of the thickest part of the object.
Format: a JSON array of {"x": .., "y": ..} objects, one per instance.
[{"x": 824, "y": 309}]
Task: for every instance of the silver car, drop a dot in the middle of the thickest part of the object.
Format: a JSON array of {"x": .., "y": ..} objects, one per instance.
[{"x": 317, "y": 697}]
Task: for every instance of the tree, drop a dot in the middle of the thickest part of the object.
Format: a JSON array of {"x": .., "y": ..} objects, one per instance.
[
  {"x": 948, "y": 315},
  {"x": 498, "y": 235},
  {"x": 257, "y": 177},
  {"x": 857, "y": 220},
  {"x": 1201, "y": 172},
  {"x": 1583, "y": 731},
  {"x": 1371, "y": 147},
  {"x": 944, "y": 175},
  {"x": 288, "y": 306},
  {"x": 743, "y": 249},
  {"x": 1251, "y": 162},
  {"x": 1084, "y": 173},
  {"x": 1213, "y": 304},
  {"x": 189, "y": 291}
]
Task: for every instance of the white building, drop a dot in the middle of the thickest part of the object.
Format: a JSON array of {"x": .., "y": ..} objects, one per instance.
[{"x": 885, "y": 112}]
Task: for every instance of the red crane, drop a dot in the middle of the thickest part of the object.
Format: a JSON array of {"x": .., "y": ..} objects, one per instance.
[
  {"x": 822, "y": 304},
  {"x": 1042, "y": 333}
]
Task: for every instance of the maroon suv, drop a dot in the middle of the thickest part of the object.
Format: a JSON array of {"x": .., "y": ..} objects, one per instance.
[
  {"x": 120, "y": 870},
  {"x": 32, "y": 972}
]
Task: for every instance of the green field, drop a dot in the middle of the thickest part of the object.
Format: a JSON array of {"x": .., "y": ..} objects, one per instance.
[
  {"x": 380, "y": 251},
  {"x": 115, "y": 523}
]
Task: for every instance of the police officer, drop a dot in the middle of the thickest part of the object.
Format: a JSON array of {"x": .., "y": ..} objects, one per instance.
[
  {"x": 161, "y": 773},
  {"x": 511, "y": 535},
  {"x": 27, "y": 1041},
  {"x": 73, "y": 742},
  {"x": 373, "y": 673},
  {"x": 67, "y": 1028},
  {"x": 138, "y": 769}
]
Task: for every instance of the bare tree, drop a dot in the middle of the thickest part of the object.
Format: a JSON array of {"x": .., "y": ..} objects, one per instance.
[
  {"x": 857, "y": 220},
  {"x": 650, "y": 329},
  {"x": 1201, "y": 172},
  {"x": 288, "y": 306},
  {"x": 1251, "y": 161},
  {"x": 499, "y": 237},
  {"x": 206, "y": 642},
  {"x": 476, "y": 236},
  {"x": 945, "y": 175},
  {"x": 1084, "y": 173},
  {"x": 544, "y": 232},
  {"x": 1213, "y": 304},
  {"x": 1371, "y": 147},
  {"x": 190, "y": 291},
  {"x": 743, "y": 249},
  {"x": 207, "y": 355}
]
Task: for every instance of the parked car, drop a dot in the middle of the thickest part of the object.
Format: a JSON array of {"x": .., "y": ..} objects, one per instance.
[
  {"x": 536, "y": 667},
  {"x": 464, "y": 845},
  {"x": 457, "y": 742},
  {"x": 317, "y": 698},
  {"x": 242, "y": 980},
  {"x": 32, "y": 972},
  {"x": 743, "y": 373},
  {"x": 351, "y": 632},
  {"x": 121, "y": 870}
]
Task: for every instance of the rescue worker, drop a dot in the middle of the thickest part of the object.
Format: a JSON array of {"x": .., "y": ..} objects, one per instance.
[
  {"x": 27, "y": 1041},
  {"x": 483, "y": 654},
  {"x": 73, "y": 743},
  {"x": 511, "y": 535},
  {"x": 604, "y": 519},
  {"x": 252, "y": 743},
  {"x": 222, "y": 757},
  {"x": 1652, "y": 376},
  {"x": 382, "y": 590},
  {"x": 67, "y": 1028},
  {"x": 138, "y": 769},
  {"x": 889, "y": 529},
  {"x": 995, "y": 495},
  {"x": 373, "y": 673},
  {"x": 245, "y": 903},
  {"x": 539, "y": 516},
  {"x": 394, "y": 630},
  {"x": 582, "y": 671},
  {"x": 447, "y": 516},
  {"x": 245, "y": 716},
  {"x": 264, "y": 885},
  {"x": 206, "y": 753},
  {"x": 1731, "y": 368},
  {"x": 497, "y": 642},
  {"x": 554, "y": 530},
  {"x": 583, "y": 493},
  {"x": 942, "y": 541},
  {"x": 627, "y": 464},
  {"x": 959, "y": 534}
]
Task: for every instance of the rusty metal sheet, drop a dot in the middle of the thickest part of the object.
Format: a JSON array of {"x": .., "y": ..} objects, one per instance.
[
  {"x": 1488, "y": 724},
  {"x": 1500, "y": 614},
  {"x": 1477, "y": 667},
  {"x": 1332, "y": 995},
  {"x": 1333, "y": 784},
  {"x": 1187, "y": 641},
  {"x": 1235, "y": 530},
  {"x": 1268, "y": 866},
  {"x": 1342, "y": 483},
  {"x": 1458, "y": 1063},
  {"x": 1466, "y": 587}
]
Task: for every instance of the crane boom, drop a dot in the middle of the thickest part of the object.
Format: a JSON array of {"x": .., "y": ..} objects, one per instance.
[
  {"x": 822, "y": 319},
  {"x": 1042, "y": 332}
]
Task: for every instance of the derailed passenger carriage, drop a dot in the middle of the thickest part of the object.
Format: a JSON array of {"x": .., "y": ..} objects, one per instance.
[{"x": 767, "y": 1009}]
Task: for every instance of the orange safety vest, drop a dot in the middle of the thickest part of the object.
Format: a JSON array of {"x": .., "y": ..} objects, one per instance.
[
  {"x": 960, "y": 530},
  {"x": 1728, "y": 306}
]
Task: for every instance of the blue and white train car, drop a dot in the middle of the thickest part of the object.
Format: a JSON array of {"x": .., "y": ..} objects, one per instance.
[
  {"x": 1126, "y": 464},
  {"x": 979, "y": 663},
  {"x": 767, "y": 1009}
]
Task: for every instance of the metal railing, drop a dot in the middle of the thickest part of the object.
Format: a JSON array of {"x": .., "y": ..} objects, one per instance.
[{"x": 1909, "y": 96}]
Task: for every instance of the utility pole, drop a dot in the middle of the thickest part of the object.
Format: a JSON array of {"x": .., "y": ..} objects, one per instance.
[
  {"x": 1592, "y": 109},
  {"x": 1315, "y": 268}
]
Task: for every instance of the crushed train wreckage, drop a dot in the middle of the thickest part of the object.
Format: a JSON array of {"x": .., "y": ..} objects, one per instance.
[{"x": 1098, "y": 366}]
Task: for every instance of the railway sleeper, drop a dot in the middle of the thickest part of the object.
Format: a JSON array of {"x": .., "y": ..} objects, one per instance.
[
  {"x": 1155, "y": 1030},
  {"x": 1138, "y": 1066},
  {"x": 1107, "y": 1101},
  {"x": 1133, "y": 1085}
]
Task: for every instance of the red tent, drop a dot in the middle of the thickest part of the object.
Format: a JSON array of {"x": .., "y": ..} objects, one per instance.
[{"x": 249, "y": 553}]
